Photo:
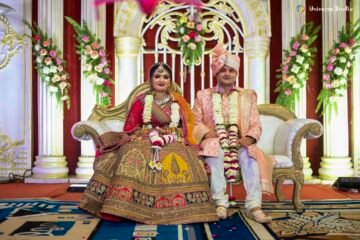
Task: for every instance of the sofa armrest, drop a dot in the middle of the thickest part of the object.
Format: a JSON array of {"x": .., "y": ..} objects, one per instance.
[
  {"x": 290, "y": 134},
  {"x": 87, "y": 130}
]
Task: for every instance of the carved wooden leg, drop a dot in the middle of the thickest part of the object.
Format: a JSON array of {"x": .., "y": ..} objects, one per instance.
[
  {"x": 278, "y": 189},
  {"x": 298, "y": 182}
]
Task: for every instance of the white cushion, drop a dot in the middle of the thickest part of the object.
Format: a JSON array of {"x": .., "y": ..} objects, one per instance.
[
  {"x": 282, "y": 161},
  {"x": 114, "y": 124},
  {"x": 270, "y": 124}
]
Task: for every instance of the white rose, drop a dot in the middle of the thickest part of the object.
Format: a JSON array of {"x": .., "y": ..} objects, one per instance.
[
  {"x": 351, "y": 56},
  {"x": 338, "y": 71},
  {"x": 39, "y": 59},
  {"x": 87, "y": 67},
  {"x": 37, "y": 47},
  {"x": 342, "y": 81},
  {"x": 335, "y": 84},
  {"x": 301, "y": 76},
  {"x": 92, "y": 78},
  {"x": 296, "y": 85},
  {"x": 343, "y": 60},
  {"x": 299, "y": 59},
  {"x": 306, "y": 66},
  {"x": 46, "y": 70},
  {"x": 53, "y": 69},
  {"x": 62, "y": 85},
  {"x": 99, "y": 81},
  {"x": 47, "y": 79},
  {"x": 295, "y": 69},
  {"x": 345, "y": 72}
]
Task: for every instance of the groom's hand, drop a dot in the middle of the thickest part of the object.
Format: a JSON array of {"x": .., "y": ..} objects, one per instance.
[
  {"x": 246, "y": 141},
  {"x": 210, "y": 134}
]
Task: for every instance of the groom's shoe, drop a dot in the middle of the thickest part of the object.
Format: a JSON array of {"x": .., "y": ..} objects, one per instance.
[
  {"x": 221, "y": 212},
  {"x": 258, "y": 215}
]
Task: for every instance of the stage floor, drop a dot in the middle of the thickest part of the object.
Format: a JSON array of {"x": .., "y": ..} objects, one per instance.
[{"x": 59, "y": 192}]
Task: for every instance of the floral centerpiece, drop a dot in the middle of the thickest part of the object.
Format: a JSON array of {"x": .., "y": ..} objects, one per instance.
[
  {"x": 296, "y": 66},
  {"x": 50, "y": 65},
  {"x": 96, "y": 66},
  {"x": 189, "y": 28},
  {"x": 337, "y": 66}
]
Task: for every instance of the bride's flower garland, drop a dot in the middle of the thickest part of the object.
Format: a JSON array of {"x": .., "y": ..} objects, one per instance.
[
  {"x": 157, "y": 140},
  {"x": 228, "y": 139}
]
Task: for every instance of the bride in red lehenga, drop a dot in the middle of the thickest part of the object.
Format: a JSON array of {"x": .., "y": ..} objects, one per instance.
[{"x": 153, "y": 174}]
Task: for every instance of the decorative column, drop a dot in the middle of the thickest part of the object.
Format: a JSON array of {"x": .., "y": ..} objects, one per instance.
[
  {"x": 355, "y": 146},
  {"x": 256, "y": 50},
  {"x": 97, "y": 25},
  {"x": 51, "y": 162},
  {"x": 127, "y": 64},
  {"x": 292, "y": 21},
  {"x": 336, "y": 161}
]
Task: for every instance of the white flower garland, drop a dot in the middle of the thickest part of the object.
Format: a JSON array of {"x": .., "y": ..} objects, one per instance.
[
  {"x": 157, "y": 141},
  {"x": 228, "y": 139}
]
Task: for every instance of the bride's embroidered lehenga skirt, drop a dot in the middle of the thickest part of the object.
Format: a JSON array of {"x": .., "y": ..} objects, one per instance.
[{"x": 124, "y": 185}]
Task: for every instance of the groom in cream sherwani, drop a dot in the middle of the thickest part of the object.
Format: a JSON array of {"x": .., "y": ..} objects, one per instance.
[{"x": 227, "y": 126}]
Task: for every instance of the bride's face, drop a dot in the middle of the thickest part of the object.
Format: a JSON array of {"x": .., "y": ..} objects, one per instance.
[{"x": 161, "y": 80}]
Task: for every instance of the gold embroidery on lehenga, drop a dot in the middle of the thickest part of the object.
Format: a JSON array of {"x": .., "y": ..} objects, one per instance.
[
  {"x": 175, "y": 169},
  {"x": 133, "y": 164}
]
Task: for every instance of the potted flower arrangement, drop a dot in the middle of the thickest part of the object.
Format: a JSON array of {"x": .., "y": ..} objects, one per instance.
[
  {"x": 189, "y": 29},
  {"x": 337, "y": 67},
  {"x": 296, "y": 66},
  {"x": 96, "y": 66},
  {"x": 50, "y": 65}
]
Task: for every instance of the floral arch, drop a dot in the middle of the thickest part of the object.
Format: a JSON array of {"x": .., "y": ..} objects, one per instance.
[{"x": 244, "y": 25}]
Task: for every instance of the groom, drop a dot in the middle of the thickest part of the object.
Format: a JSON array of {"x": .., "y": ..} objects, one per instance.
[{"x": 227, "y": 126}]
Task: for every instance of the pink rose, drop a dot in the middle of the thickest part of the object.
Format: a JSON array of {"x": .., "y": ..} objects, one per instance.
[
  {"x": 101, "y": 53},
  {"x": 287, "y": 92},
  {"x": 192, "y": 34},
  {"x": 106, "y": 83},
  {"x": 60, "y": 68},
  {"x": 327, "y": 85},
  {"x": 185, "y": 38},
  {"x": 48, "y": 61},
  {"x": 288, "y": 59},
  {"x": 296, "y": 45},
  {"x": 191, "y": 18},
  {"x": 343, "y": 45},
  {"x": 52, "y": 53},
  {"x": 95, "y": 45},
  {"x": 37, "y": 38},
  {"x": 198, "y": 38},
  {"x": 107, "y": 71},
  {"x": 326, "y": 77},
  {"x": 292, "y": 53},
  {"x": 351, "y": 42},
  {"x": 336, "y": 51},
  {"x": 43, "y": 52},
  {"x": 330, "y": 67},
  {"x": 46, "y": 43},
  {"x": 286, "y": 68},
  {"x": 199, "y": 27},
  {"x": 104, "y": 94},
  {"x": 85, "y": 38},
  {"x": 58, "y": 61},
  {"x": 332, "y": 59},
  {"x": 305, "y": 37}
]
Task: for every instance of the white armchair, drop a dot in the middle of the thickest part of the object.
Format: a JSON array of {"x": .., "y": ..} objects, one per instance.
[{"x": 281, "y": 137}]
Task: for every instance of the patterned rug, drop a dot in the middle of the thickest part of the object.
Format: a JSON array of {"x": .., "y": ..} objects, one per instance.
[{"x": 49, "y": 219}]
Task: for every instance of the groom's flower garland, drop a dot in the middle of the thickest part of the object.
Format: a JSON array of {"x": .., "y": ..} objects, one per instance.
[
  {"x": 157, "y": 140},
  {"x": 228, "y": 139}
]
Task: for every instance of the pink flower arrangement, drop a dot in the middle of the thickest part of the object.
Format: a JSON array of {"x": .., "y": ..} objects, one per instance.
[
  {"x": 189, "y": 29},
  {"x": 296, "y": 66},
  {"x": 96, "y": 66},
  {"x": 337, "y": 68},
  {"x": 50, "y": 66}
]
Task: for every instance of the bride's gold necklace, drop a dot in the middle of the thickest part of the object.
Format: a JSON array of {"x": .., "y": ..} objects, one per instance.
[{"x": 162, "y": 101}]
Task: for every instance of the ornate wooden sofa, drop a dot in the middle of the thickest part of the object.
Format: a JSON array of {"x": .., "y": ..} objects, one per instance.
[{"x": 282, "y": 136}]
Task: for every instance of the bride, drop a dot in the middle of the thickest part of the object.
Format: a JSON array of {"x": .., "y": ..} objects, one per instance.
[{"x": 153, "y": 174}]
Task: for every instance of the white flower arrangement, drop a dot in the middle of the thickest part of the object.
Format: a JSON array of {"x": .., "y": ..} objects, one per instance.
[
  {"x": 147, "y": 110},
  {"x": 296, "y": 66},
  {"x": 337, "y": 67},
  {"x": 175, "y": 115},
  {"x": 50, "y": 65}
]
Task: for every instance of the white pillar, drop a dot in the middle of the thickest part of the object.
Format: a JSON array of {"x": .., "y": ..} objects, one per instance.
[
  {"x": 292, "y": 21},
  {"x": 336, "y": 161},
  {"x": 355, "y": 143},
  {"x": 127, "y": 63},
  {"x": 51, "y": 162},
  {"x": 256, "y": 50},
  {"x": 97, "y": 25}
]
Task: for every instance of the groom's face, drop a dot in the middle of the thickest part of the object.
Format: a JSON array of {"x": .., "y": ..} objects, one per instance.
[{"x": 226, "y": 76}]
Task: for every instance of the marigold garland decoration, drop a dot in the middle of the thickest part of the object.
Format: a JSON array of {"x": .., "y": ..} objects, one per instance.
[
  {"x": 296, "y": 66},
  {"x": 189, "y": 29},
  {"x": 49, "y": 64},
  {"x": 337, "y": 68},
  {"x": 96, "y": 65}
]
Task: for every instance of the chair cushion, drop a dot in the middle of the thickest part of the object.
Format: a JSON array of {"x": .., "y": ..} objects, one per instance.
[
  {"x": 114, "y": 124},
  {"x": 282, "y": 161},
  {"x": 270, "y": 125}
]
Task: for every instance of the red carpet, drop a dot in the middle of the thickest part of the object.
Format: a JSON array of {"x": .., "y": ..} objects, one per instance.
[{"x": 59, "y": 191}]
